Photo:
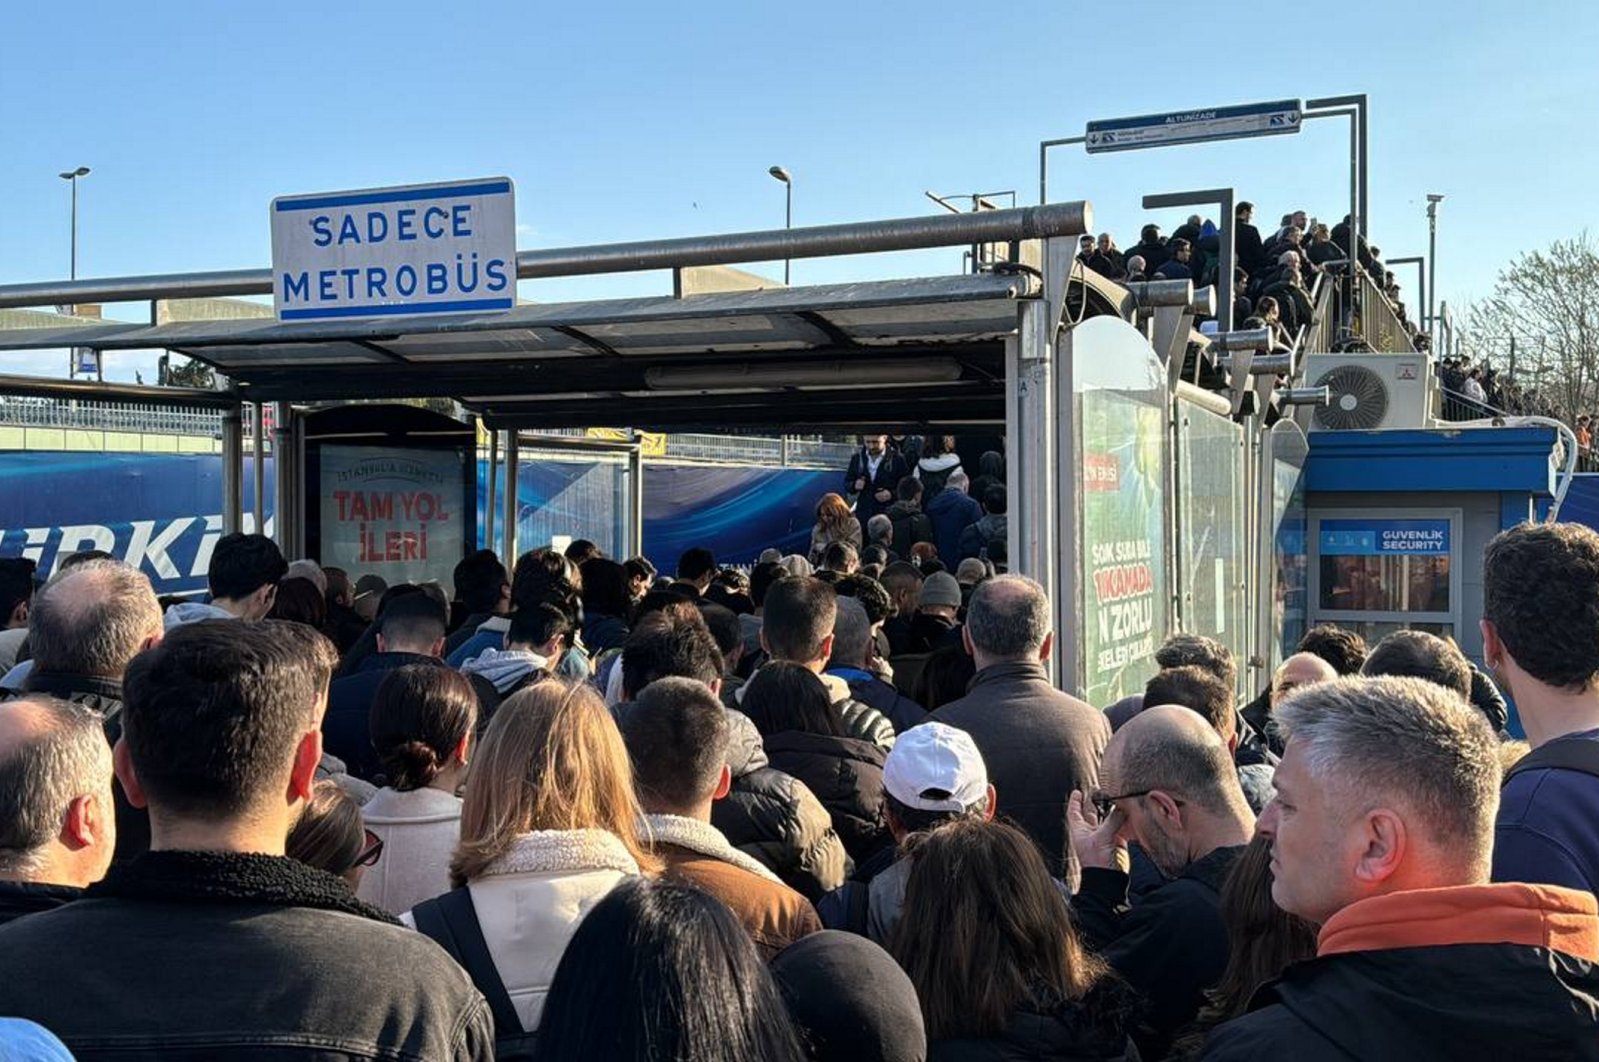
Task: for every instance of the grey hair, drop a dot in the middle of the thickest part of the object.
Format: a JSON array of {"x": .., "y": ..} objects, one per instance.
[
  {"x": 852, "y": 631},
  {"x": 1135, "y": 263},
  {"x": 305, "y": 568},
  {"x": 880, "y": 527},
  {"x": 958, "y": 480},
  {"x": 1008, "y": 617},
  {"x": 1403, "y": 742},
  {"x": 93, "y": 620},
  {"x": 70, "y": 758},
  {"x": 1288, "y": 258}
]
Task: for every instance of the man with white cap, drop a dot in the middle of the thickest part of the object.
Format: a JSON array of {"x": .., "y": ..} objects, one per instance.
[{"x": 934, "y": 774}]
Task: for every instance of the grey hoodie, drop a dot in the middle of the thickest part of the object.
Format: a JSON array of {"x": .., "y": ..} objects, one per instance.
[{"x": 193, "y": 612}]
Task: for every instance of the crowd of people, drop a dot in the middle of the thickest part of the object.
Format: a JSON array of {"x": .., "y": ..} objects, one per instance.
[{"x": 831, "y": 807}]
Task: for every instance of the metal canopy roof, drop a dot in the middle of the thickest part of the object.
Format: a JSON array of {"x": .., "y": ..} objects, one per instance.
[{"x": 892, "y": 351}]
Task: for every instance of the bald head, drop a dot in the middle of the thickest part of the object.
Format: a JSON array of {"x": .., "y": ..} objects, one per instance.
[
  {"x": 1301, "y": 669},
  {"x": 1175, "y": 750},
  {"x": 1008, "y": 619},
  {"x": 55, "y": 792},
  {"x": 93, "y": 619}
]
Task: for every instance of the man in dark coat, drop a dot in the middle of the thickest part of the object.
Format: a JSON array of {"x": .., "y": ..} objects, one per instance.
[
  {"x": 1382, "y": 834},
  {"x": 1151, "y": 249},
  {"x": 1248, "y": 250},
  {"x": 214, "y": 944},
  {"x": 874, "y": 472},
  {"x": 911, "y": 525},
  {"x": 1039, "y": 743},
  {"x": 1168, "y": 782},
  {"x": 1177, "y": 267}
]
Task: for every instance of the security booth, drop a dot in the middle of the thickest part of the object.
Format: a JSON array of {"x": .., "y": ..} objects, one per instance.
[{"x": 1397, "y": 521}]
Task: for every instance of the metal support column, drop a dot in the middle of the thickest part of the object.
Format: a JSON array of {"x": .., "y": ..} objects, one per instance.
[
  {"x": 1043, "y": 162},
  {"x": 635, "y": 483},
  {"x": 1225, "y": 200},
  {"x": 258, "y": 462},
  {"x": 513, "y": 454},
  {"x": 1355, "y": 109},
  {"x": 1029, "y": 471},
  {"x": 288, "y": 472},
  {"x": 493, "y": 498},
  {"x": 232, "y": 469}
]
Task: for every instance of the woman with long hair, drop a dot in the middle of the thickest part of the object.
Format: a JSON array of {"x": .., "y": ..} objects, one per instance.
[
  {"x": 549, "y": 826},
  {"x": 936, "y": 465},
  {"x": 1263, "y": 941},
  {"x": 805, "y": 736},
  {"x": 834, "y": 523},
  {"x": 421, "y": 724},
  {"x": 664, "y": 972},
  {"x": 987, "y": 939}
]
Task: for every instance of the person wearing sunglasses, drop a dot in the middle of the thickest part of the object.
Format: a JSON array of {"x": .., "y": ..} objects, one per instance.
[
  {"x": 1167, "y": 782},
  {"x": 330, "y": 835}
]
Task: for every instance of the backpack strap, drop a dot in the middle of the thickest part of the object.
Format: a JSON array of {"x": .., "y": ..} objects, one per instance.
[
  {"x": 1565, "y": 754},
  {"x": 452, "y": 921}
]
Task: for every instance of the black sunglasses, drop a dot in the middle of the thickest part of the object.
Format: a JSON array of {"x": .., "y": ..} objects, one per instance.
[
  {"x": 1104, "y": 803},
  {"x": 374, "y": 848}
]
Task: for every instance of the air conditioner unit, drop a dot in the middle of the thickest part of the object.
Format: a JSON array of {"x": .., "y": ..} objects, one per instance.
[{"x": 1371, "y": 391}]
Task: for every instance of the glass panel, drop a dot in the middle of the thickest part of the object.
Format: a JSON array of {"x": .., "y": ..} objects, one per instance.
[
  {"x": 1375, "y": 631},
  {"x": 1121, "y": 414},
  {"x": 1210, "y": 528},
  {"x": 573, "y": 496},
  {"x": 1384, "y": 565},
  {"x": 1287, "y": 609}
]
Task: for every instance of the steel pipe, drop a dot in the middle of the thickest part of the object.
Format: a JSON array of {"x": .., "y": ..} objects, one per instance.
[
  {"x": 1257, "y": 339},
  {"x": 1162, "y": 292},
  {"x": 856, "y": 237},
  {"x": 1305, "y": 396},
  {"x": 92, "y": 391}
]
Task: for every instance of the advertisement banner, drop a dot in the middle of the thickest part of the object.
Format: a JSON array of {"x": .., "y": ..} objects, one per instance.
[
  {"x": 1123, "y": 525},
  {"x": 391, "y": 512}
]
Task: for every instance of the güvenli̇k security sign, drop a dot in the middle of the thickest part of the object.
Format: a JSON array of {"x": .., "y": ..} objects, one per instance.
[{"x": 379, "y": 252}]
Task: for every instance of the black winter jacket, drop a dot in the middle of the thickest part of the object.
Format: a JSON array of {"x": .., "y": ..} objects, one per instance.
[
  {"x": 773, "y": 817},
  {"x": 1423, "y": 1004},
  {"x": 19, "y": 898},
  {"x": 191, "y": 956},
  {"x": 1171, "y": 946},
  {"x": 911, "y": 526},
  {"x": 846, "y": 775},
  {"x": 1091, "y": 1030},
  {"x": 901, "y": 712}
]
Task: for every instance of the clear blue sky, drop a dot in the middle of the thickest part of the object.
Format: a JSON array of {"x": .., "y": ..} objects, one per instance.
[{"x": 623, "y": 121}]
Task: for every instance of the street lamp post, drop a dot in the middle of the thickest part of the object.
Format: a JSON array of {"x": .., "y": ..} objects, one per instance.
[
  {"x": 1433, "y": 199},
  {"x": 71, "y": 177},
  {"x": 788, "y": 210}
]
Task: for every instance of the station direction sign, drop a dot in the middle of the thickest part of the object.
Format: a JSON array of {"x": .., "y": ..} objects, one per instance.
[
  {"x": 419, "y": 249},
  {"x": 1195, "y": 126}
]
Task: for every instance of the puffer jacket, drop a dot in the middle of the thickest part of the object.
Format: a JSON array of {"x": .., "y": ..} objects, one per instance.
[
  {"x": 530, "y": 900},
  {"x": 776, "y": 819},
  {"x": 1093, "y": 1029},
  {"x": 846, "y": 774},
  {"x": 861, "y": 720}
]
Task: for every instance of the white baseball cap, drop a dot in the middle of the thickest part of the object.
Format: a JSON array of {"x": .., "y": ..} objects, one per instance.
[{"x": 934, "y": 767}]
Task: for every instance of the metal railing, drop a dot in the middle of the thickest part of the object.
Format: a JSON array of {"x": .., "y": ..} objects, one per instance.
[
  {"x": 1380, "y": 324},
  {"x": 110, "y": 416}
]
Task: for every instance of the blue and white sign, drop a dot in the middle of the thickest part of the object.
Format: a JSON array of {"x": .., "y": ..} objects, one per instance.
[
  {"x": 426, "y": 248},
  {"x": 1189, "y": 127},
  {"x": 1384, "y": 538}
]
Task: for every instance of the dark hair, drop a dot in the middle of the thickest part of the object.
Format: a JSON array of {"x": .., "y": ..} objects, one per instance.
[
  {"x": 944, "y": 677},
  {"x": 213, "y": 714},
  {"x": 1183, "y": 650},
  {"x": 419, "y": 715},
  {"x": 330, "y": 834},
  {"x": 544, "y": 577},
  {"x": 994, "y": 500},
  {"x": 1343, "y": 649},
  {"x": 983, "y": 928},
  {"x": 605, "y": 588},
  {"x": 663, "y": 971},
  {"x": 299, "y": 601},
  {"x": 1264, "y": 941},
  {"x": 1196, "y": 688},
  {"x": 411, "y": 619},
  {"x": 537, "y": 624},
  {"x": 870, "y": 593},
  {"x": 676, "y": 736},
  {"x": 16, "y": 584},
  {"x": 840, "y": 555},
  {"x": 798, "y": 618},
  {"x": 669, "y": 645},
  {"x": 874, "y": 554},
  {"x": 762, "y": 578},
  {"x": 785, "y": 696},
  {"x": 724, "y": 627},
  {"x": 909, "y": 488},
  {"x": 639, "y": 568},
  {"x": 659, "y": 601},
  {"x": 242, "y": 564},
  {"x": 1541, "y": 593},
  {"x": 917, "y": 820},
  {"x": 580, "y": 551},
  {"x": 695, "y": 564},
  {"x": 1417, "y": 654},
  {"x": 479, "y": 580}
]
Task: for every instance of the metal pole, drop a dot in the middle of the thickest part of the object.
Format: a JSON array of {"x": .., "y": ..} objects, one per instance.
[
  {"x": 788, "y": 219},
  {"x": 1432, "y": 261},
  {"x": 232, "y": 467},
  {"x": 1422, "y": 286},
  {"x": 74, "y": 266},
  {"x": 513, "y": 455},
  {"x": 1043, "y": 163},
  {"x": 489, "y": 507},
  {"x": 1030, "y": 431},
  {"x": 635, "y": 468},
  {"x": 258, "y": 461},
  {"x": 288, "y": 474},
  {"x": 1225, "y": 200}
]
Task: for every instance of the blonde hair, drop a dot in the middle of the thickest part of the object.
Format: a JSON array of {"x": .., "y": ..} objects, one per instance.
[{"x": 552, "y": 759}]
